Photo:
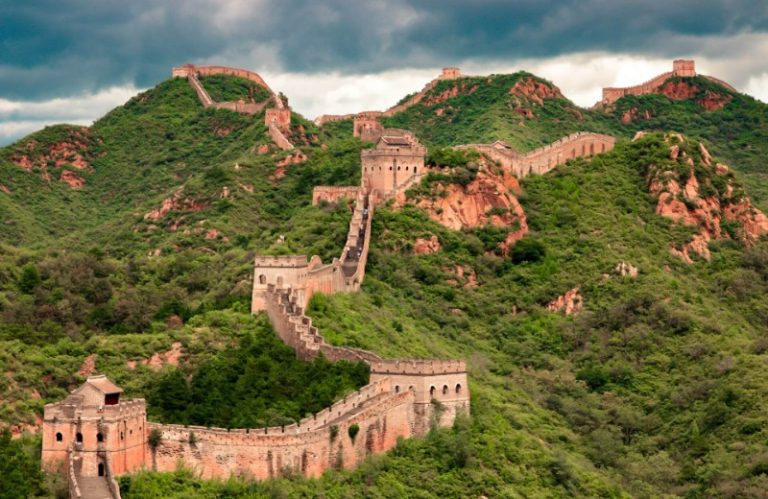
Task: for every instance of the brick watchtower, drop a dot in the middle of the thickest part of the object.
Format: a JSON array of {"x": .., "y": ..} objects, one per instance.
[{"x": 100, "y": 430}]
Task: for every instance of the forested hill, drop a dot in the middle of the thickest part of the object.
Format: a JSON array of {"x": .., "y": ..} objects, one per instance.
[{"x": 127, "y": 247}]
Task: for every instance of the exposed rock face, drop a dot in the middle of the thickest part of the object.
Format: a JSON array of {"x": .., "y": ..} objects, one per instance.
[
  {"x": 466, "y": 277},
  {"x": 88, "y": 366},
  {"x": 488, "y": 199},
  {"x": 625, "y": 269},
  {"x": 534, "y": 90},
  {"x": 571, "y": 302},
  {"x": 426, "y": 246},
  {"x": 74, "y": 152},
  {"x": 282, "y": 165},
  {"x": 713, "y": 101},
  {"x": 679, "y": 90},
  {"x": 72, "y": 179},
  {"x": 448, "y": 94},
  {"x": 175, "y": 203},
  {"x": 4, "y": 189},
  {"x": 685, "y": 204},
  {"x": 160, "y": 359},
  {"x": 633, "y": 114}
]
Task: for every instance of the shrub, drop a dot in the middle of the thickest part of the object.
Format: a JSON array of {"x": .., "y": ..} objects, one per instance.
[{"x": 353, "y": 430}]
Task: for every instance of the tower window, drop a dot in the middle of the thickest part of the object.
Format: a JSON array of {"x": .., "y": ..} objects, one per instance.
[
  {"x": 59, "y": 437},
  {"x": 79, "y": 437},
  {"x": 99, "y": 437}
]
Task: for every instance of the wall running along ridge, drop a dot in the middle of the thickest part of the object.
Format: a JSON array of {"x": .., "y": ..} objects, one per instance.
[
  {"x": 405, "y": 397},
  {"x": 680, "y": 68},
  {"x": 446, "y": 74},
  {"x": 277, "y": 119},
  {"x": 542, "y": 160}
]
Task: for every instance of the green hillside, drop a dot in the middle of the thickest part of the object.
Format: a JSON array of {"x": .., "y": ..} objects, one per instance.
[{"x": 656, "y": 389}]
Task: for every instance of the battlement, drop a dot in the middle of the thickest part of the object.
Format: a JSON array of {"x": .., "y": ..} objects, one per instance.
[
  {"x": 450, "y": 74},
  {"x": 684, "y": 68},
  {"x": 281, "y": 261},
  {"x": 426, "y": 367},
  {"x": 333, "y": 193}
]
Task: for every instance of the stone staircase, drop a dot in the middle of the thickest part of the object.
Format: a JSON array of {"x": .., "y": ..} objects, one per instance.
[{"x": 94, "y": 487}]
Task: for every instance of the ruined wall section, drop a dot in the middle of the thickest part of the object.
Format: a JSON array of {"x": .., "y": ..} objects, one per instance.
[{"x": 333, "y": 194}]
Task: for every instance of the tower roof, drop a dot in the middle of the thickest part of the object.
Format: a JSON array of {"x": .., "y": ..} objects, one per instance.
[{"x": 101, "y": 383}]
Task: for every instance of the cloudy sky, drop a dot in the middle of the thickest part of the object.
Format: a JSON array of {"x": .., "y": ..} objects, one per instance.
[{"x": 72, "y": 60}]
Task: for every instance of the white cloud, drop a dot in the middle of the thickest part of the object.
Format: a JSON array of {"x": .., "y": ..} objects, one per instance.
[
  {"x": 579, "y": 76},
  {"x": 19, "y": 118}
]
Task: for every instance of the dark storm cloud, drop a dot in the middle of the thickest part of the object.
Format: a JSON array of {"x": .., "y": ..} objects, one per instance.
[{"x": 59, "y": 47}]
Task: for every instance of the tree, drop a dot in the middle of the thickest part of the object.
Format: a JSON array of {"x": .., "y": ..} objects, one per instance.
[
  {"x": 30, "y": 278},
  {"x": 20, "y": 475}
]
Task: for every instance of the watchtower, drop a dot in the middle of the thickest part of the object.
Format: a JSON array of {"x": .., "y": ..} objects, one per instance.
[
  {"x": 450, "y": 74},
  {"x": 394, "y": 164},
  {"x": 98, "y": 427},
  {"x": 684, "y": 68}
]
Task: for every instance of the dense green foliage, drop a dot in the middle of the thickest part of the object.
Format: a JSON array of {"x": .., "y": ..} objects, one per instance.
[
  {"x": 20, "y": 475},
  {"x": 224, "y": 88},
  {"x": 256, "y": 384},
  {"x": 655, "y": 390}
]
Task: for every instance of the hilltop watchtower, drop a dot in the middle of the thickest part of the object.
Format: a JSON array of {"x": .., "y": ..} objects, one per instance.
[
  {"x": 684, "y": 68},
  {"x": 101, "y": 431},
  {"x": 450, "y": 74}
]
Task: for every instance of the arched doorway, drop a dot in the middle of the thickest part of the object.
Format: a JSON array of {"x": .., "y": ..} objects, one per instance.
[{"x": 101, "y": 469}]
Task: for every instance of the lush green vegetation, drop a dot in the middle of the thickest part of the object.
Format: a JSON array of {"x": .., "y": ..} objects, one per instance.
[
  {"x": 655, "y": 390},
  {"x": 259, "y": 383},
  {"x": 224, "y": 88}
]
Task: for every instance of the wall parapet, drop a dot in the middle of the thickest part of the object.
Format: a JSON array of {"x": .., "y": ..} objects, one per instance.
[{"x": 419, "y": 366}]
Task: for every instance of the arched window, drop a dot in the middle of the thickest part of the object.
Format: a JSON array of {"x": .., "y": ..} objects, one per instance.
[
  {"x": 101, "y": 469},
  {"x": 79, "y": 437},
  {"x": 390, "y": 168},
  {"x": 397, "y": 388},
  {"x": 59, "y": 437},
  {"x": 432, "y": 391},
  {"x": 99, "y": 437},
  {"x": 410, "y": 388},
  {"x": 262, "y": 279},
  {"x": 414, "y": 169},
  {"x": 458, "y": 388},
  {"x": 445, "y": 389},
  {"x": 122, "y": 435},
  {"x": 398, "y": 167}
]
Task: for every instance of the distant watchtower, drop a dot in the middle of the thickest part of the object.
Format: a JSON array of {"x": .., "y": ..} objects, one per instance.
[
  {"x": 684, "y": 68},
  {"x": 450, "y": 74},
  {"x": 98, "y": 428}
]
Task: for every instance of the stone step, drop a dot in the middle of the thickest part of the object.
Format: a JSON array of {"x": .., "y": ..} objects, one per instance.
[{"x": 94, "y": 487}]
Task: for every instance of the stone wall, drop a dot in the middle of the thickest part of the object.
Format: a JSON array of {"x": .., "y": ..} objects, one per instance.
[
  {"x": 333, "y": 194},
  {"x": 544, "y": 159},
  {"x": 681, "y": 68},
  {"x": 577, "y": 145},
  {"x": 314, "y": 445},
  {"x": 367, "y": 128}
]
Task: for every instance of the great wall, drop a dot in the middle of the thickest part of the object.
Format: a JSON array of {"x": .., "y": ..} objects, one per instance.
[
  {"x": 277, "y": 119},
  {"x": 94, "y": 436},
  {"x": 681, "y": 68}
]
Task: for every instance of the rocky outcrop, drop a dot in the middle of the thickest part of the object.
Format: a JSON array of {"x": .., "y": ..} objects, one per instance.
[
  {"x": 175, "y": 203},
  {"x": 73, "y": 152},
  {"x": 534, "y": 90},
  {"x": 426, "y": 246},
  {"x": 694, "y": 192},
  {"x": 88, "y": 367},
  {"x": 160, "y": 359},
  {"x": 570, "y": 303},
  {"x": 488, "y": 200},
  {"x": 283, "y": 164}
]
